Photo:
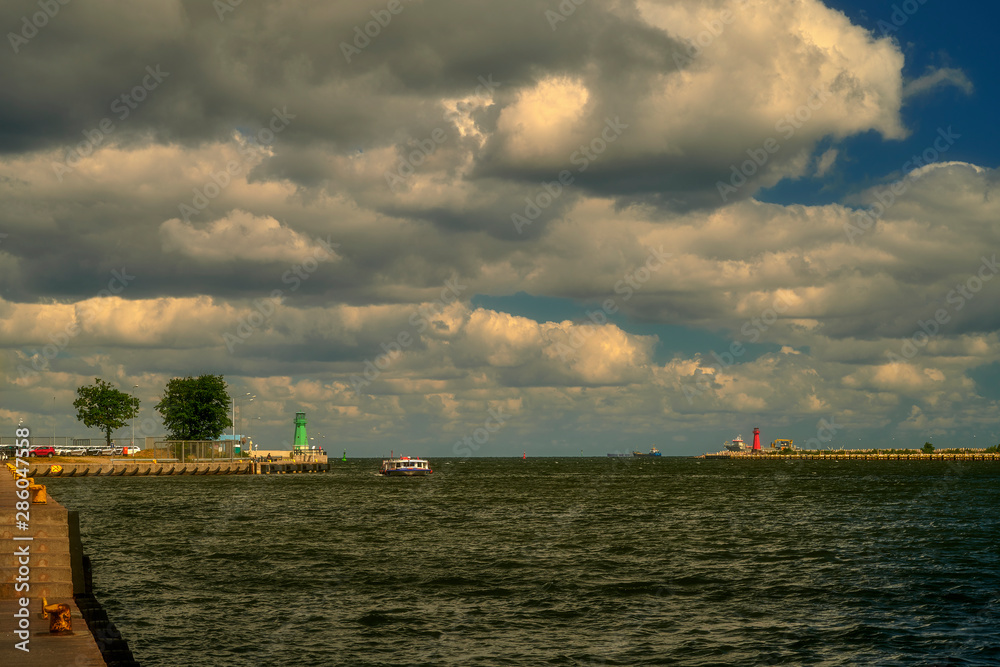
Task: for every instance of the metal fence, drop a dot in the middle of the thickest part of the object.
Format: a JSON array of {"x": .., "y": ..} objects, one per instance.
[
  {"x": 154, "y": 447},
  {"x": 193, "y": 450}
]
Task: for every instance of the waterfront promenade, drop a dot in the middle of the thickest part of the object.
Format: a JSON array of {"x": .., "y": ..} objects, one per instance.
[{"x": 43, "y": 558}]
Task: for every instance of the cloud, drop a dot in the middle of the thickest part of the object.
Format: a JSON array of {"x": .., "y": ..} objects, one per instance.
[
  {"x": 647, "y": 106},
  {"x": 825, "y": 161},
  {"x": 241, "y": 236},
  {"x": 935, "y": 78}
]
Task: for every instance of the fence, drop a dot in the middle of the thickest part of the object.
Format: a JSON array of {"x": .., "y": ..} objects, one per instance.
[{"x": 194, "y": 450}]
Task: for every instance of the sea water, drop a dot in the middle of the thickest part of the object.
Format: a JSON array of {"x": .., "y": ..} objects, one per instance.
[{"x": 571, "y": 561}]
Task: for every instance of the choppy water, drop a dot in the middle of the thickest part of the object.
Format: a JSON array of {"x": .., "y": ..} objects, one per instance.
[{"x": 554, "y": 562}]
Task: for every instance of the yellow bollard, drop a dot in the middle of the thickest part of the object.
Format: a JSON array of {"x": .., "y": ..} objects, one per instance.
[
  {"x": 60, "y": 620},
  {"x": 37, "y": 492}
]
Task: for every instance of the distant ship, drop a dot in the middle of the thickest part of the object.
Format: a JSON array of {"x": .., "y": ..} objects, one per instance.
[
  {"x": 736, "y": 445},
  {"x": 652, "y": 452}
]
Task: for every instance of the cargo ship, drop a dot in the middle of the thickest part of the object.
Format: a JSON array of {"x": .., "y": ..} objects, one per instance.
[
  {"x": 652, "y": 452},
  {"x": 736, "y": 444}
]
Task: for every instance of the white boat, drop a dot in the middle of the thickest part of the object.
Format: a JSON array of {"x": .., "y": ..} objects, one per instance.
[
  {"x": 736, "y": 445},
  {"x": 405, "y": 466}
]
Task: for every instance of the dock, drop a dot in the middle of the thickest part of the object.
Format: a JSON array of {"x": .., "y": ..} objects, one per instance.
[{"x": 43, "y": 559}]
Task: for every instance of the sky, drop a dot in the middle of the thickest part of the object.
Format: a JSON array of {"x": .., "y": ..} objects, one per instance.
[{"x": 470, "y": 228}]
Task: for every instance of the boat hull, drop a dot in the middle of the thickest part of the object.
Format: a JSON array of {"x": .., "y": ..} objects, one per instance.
[{"x": 405, "y": 473}]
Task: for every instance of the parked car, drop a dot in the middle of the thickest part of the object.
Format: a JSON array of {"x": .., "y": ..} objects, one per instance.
[
  {"x": 42, "y": 451},
  {"x": 130, "y": 450}
]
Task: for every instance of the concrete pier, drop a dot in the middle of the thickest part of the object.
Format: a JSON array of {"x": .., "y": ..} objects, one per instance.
[
  {"x": 42, "y": 468},
  {"x": 281, "y": 462},
  {"x": 43, "y": 558},
  {"x": 288, "y": 466},
  {"x": 849, "y": 455}
]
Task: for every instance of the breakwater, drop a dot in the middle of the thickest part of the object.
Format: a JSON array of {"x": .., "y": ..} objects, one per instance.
[
  {"x": 43, "y": 468},
  {"x": 849, "y": 455}
]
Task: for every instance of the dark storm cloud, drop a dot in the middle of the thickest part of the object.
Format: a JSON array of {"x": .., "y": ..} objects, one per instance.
[{"x": 223, "y": 73}]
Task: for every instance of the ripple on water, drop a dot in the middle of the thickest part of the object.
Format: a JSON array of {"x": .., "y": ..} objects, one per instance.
[{"x": 575, "y": 562}]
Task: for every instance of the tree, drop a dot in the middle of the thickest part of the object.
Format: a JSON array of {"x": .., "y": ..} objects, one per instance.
[
  {"x": 928, "y": 448},
  {"x": 105, "y": 407},
  {"x": 195, "y": 408}
]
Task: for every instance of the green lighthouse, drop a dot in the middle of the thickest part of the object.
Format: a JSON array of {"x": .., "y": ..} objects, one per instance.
[{"x": 301, "y": 440}]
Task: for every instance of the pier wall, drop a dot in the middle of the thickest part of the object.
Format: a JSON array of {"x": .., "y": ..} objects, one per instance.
[
  {"x": 298, "y": 463},
  {"x": 853, "y": 456},
  {"x": 43, "y": 561}
]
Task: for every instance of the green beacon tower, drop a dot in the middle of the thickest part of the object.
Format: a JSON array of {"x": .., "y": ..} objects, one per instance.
[{"x": 301, "y": 440}]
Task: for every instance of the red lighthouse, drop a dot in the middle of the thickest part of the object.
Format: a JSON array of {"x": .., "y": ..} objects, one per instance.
[{"x": 756, "y": 439}]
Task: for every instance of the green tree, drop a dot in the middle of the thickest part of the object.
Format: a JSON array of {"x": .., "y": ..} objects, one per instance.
[
  {"x": 928, "y": 448},
  {"x": 105, "y": 407},
  {"x": 195, "y": 408}
]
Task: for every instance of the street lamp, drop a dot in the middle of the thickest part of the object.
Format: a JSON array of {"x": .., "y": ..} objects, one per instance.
[
  {"x": 243, "y": 406},
  {"x": 243, "y": 419},
  {"x": 250, "y": 425},
  {"x": 134, "y": 387},
  {"x": 246, "y": 420}
]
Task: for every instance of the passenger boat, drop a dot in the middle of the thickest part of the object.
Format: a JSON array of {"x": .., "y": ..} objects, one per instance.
[{"x": 405, "y": 466}]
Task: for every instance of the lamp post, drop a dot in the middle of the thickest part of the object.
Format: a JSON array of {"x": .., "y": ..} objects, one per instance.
[
  {"x": 250, "y": 425},
  {"x": 243, "y": 419},
  {"x": 248, "y": 405},
  {"x": 134, "y": 387}
]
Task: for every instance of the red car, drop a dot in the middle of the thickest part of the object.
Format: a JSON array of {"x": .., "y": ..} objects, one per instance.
[{"x": 42, "y": 451}]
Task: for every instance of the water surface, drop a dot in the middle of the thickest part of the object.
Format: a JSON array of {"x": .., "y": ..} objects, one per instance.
[{"x": 576, "y": 561}]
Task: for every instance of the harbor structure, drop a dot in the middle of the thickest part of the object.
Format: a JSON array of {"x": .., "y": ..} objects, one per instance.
[
  {"x": 301, "y": 439},
  {"x": 47, "y": 577}
]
